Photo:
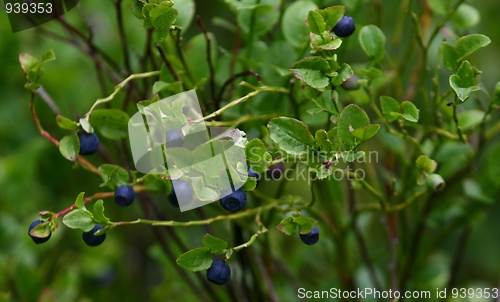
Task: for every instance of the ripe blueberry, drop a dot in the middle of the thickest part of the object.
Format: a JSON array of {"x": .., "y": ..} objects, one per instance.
[
  {"x": 276, "y": 171},
  {"x": 185, "y": 192},
  {"x": 124, "y": 195},
  {"x": 91, "y": 239},
  {"x": 234, "y": 201},
  {"x": 345, "y": 27},
  {"x": 174, "y": 138},
  {"x": 89, "y": 143},
  {"x": 312, "y": 237},
  {"x": 219, "y": 272},
  {"x": 252, "y": 173},
  {"x": 351, "y": 83},
  {"x": 37, "y": 240}
]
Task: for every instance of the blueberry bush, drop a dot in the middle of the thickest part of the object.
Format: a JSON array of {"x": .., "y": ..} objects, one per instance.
[{"x": 371, "y": 123}]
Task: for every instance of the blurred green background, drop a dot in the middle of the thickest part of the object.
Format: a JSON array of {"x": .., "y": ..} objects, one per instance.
[{"x": 131, "y": 266}]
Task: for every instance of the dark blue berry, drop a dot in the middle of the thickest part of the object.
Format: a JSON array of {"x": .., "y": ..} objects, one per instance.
[
  {"x": 345, "y": 27},
  {"x": 252, "y": 173},
  {"x": 37, "y": 240},
  {"x": 351, "y": 83},
  {"x": 174, "y": 138},
  {"x": 234, "y": 201},
  {"x": 91, "y": 239},
  {"x": 219, "y": 273},
  {"x": 276, "y": 171},
  {"x": 124, "y": 195},
  {"x": 185, "y": 192},
  {"x": 89, "y": 143},
  {"x": 312, "y": 237}
]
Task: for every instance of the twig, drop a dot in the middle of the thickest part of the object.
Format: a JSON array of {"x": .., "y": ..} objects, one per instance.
[
  {"x": 48, "y": 100},
  {"x": 459, "y": 255},
  {"x": 231, "y": 80},
  {"x": 54, "y": 141},
  {"x": 209, "y": 60},
  {"x": 119, "y": 87},
  {"x": 208, "y": 221},
  {"x": 169, "y": 66},
  {"x": 123, "y": 38},
  {"x": 459, "y": 129}
]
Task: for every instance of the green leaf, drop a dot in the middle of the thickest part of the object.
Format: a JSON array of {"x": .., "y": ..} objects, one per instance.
[
  {"x": 195, "y": 260},
  {"x": 332, "y": 15},
  {"x": 389, "y": 105},
  {"x": 473, "y": 190},
  {"x": 250, "y": 184},
  {"x": 344, "y": 72},
  {"x": 305, "y": 224},
  {"x": 322, "y": 141},
  {"x": 216, "y": 245},
  {"x": 410, "y": 111},
  {"x": 203, "y": 193},
  {"x": 111, "y": 123},
  {"x": 366, "y": 132},
  {"x": 334, "y": 138},
  {"x": 470, "y": 118},
  {"x": 312, "y": 71},
  {"x": 466, "y": 45},
  {"x": 99, "y": 216},
  {"x": 372, "y": 40},
  {"x": 186, "y": 10},
  {"x": 162, "y": 17},
  {"x": 316, "y": 23},
  {"x": 257, "y": 155},
  {"x": 86, "y": 125},
  {"x": 80, "y": 203},
  {"x": 450, "y": 56},
  {"x": 496, "y": 94},
  {"x": 291, "y": 135},
  {"x": 292, "y": 24},
  {"x": 136, "y": 8},
  {"x": 287, "y": 226},
  {"x": 320, "y": 43},
  {"x": 28, "y": 62},
  {"x": 49, "y": 55},
  {"x": 351, "y": 117},
  {"x": 78, "y": 219},
  {"x": 42, "y": 230},
  {"x": 113, "y": 176},
  {"x": 157, "y": 183},
  {"x": 426, "y": 164},
  {"x": 463, "y": 81},
  {"x": 258, "y": 19},
  {"x": 69, "y": 146},
  {"x": 466, "y": 16},
  {"x": 197, "y": 63},
  {"x": 440, "y": 7},
  {"x": 325, "y": 101},
  {"x": 32, "y": 86},
  {"x": 66, "y": 123}
]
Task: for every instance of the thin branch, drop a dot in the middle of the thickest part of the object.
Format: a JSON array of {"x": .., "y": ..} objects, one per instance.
[
  {"x": 169, "y": 66},
  {"x": 48, "y": 100},
  {"x": 83, "y": 162},
  {"x": 209, "y": 60},
  {"x": 123, "y": 38},
  {"x": 119, "y": 87},
  {"x": 229, "y": 81},
  {"x": 459, "y": 129}
]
